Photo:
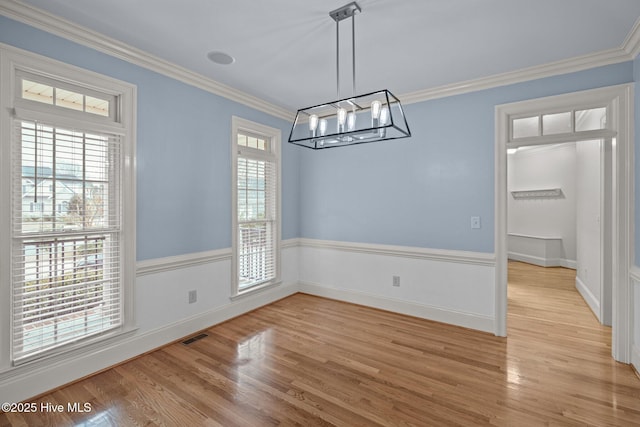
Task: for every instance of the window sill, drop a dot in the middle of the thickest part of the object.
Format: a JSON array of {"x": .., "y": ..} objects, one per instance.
[
  {"x": 65, "y": 354},
  {"x": 254, "y": 290}
]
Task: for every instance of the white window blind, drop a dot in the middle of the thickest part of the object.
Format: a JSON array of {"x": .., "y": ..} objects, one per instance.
[
  {"x": 257, "y": 221},
  {"x": 66, "y": 235}
]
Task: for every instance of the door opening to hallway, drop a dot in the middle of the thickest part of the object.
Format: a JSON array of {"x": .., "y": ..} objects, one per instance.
[{"x": 557, "y": 120}]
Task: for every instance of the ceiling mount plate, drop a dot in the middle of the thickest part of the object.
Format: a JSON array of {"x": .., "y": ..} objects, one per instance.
[{"x": 344, "y": 12}]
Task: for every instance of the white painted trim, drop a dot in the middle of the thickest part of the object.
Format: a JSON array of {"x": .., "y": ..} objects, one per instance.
[
  {"x": 571, "y": 65},
  {"x": 589, "y": 298},
  {"x": 635, "y": 357},
  {"x": 32, "y": 382},
  {"x": 271, "y": 155},
  {"x": 628, "y": 51},
  {"x": 290, "y": 243},
  {"x": 45, "y": 21},
  {"x": 476, "y": 258},
  {"x": 542, "y": 262},
  {"x": 12, "y": 61},
  {"x": 631, "y": 44},
  {"x": 159, "y": 265},
  {"x": 500, "y": 229},
  {"x": 467, "y": 320},
  {"x": 620, "y": 102},
  {"x": 568, "y": 263},
  {"x": 55, "y": 25},
  {"x": 634, "y": 275}
]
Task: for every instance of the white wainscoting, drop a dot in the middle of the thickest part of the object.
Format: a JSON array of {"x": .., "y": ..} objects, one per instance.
[
  {"x": 635, "y": 348},
  {"x": 447, "y": 286},
  {"x": 163, "y": 315}
]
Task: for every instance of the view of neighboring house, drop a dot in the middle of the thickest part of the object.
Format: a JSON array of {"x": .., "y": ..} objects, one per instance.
[{"x": 46, "y": 194}]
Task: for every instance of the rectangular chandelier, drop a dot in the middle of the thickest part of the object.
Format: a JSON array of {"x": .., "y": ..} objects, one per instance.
[{"x": 375, "y": 116}]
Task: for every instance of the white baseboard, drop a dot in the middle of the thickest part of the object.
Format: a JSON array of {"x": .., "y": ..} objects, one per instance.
[
  {"x": 589, "y": 298},
  {"x": 543, "y": 262},
  {"x": 467, "y": 320},
  {"x": 634, "y": 274},
  {"x": 443, "y": 285},
  {"x": 32, "y": 382},
  {"x": 635, "y": 357}
]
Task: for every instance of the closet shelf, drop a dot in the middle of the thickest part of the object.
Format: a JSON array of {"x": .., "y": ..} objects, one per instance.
[{"x": 549, "y": 193}]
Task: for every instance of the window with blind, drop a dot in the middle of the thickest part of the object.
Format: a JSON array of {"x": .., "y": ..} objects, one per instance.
[
  {"x": 256, "y": 207},
  {"x": 69, "y": 275}
]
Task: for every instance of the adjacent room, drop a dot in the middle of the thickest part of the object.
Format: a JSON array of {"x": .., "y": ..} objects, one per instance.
[{"x": 319, "y": 213}]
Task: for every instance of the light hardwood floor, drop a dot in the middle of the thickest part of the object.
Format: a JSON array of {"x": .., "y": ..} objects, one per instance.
[{"x": 310, "y": 361}]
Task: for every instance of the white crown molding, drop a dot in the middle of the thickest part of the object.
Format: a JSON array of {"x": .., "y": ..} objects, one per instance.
[
  {"x": 580, "y": 63},
  {"x": 55, "y": 25},
  {"x": 40, "y": 19},
  {"x": 631, "y": 44},
  {"x": 465, "y": 257},
  {"x": 628, "y": 51}
]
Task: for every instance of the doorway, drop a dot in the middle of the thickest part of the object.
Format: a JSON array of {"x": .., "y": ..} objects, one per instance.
[
  {"x": 553, "y": 120},
  {"x": 558, "y": 205}
]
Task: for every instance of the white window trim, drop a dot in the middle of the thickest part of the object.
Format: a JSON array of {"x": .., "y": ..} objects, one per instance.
[
  {"x": 12, "y": 61},
  {"x": 274, "y": 135}
]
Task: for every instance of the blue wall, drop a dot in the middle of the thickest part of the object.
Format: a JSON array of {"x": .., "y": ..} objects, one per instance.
[
  {"x": 422, "y": 191},
  {"x": 419, "y": 191},
  {"x": 183, "y": 151}
]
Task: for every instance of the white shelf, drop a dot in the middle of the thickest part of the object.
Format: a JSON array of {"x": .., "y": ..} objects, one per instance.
[{"x": 550, "y": 193}]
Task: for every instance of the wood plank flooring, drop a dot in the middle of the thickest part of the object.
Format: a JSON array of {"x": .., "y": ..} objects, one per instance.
[{"x": 310, "y": 361}]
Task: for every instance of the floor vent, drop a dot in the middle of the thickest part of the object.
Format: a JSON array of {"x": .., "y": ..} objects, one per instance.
[{"x": 193, "y": 339}]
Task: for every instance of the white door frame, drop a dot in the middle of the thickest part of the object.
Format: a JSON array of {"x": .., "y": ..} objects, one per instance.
[{"x": 619, "y": 100}]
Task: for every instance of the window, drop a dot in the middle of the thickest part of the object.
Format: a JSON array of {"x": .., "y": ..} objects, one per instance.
[
  {"x": 558, "y": 123},
  {"x": 70, "y": 186},
  {"x": 44, "y": 90},
  {"x": 256, "y": 207}
]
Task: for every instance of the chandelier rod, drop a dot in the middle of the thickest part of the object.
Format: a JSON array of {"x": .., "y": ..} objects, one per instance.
[
  {"x": 338, "y": 15},
  {"x": 338, "y": 59},
  {"x": 353, "y": 50}
]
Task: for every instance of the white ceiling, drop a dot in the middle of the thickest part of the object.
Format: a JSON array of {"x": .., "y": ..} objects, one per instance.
[{"x": 285, "y": 49}]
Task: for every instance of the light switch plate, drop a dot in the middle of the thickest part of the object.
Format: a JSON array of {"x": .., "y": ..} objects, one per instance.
[{"x": 475, "y": 222}]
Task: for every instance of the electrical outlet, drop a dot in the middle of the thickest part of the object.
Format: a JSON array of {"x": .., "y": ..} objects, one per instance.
[
  {"x": 193, "y": 296},
  {"x": 396, "y": 280}
]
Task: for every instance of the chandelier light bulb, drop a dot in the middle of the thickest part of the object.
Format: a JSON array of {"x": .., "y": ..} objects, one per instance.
[
  {"x": 313, "y": 122},
  {"x": 384, "y": 116},
  {"x": 375, "y": 109},
  {"x": 342, "y": 118},
  {"x": 375, "y": 113},
  {"x": 351, "y": 121},
  {"x": 323, "y": 126},
  {"x": 313, "y": 125}
]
